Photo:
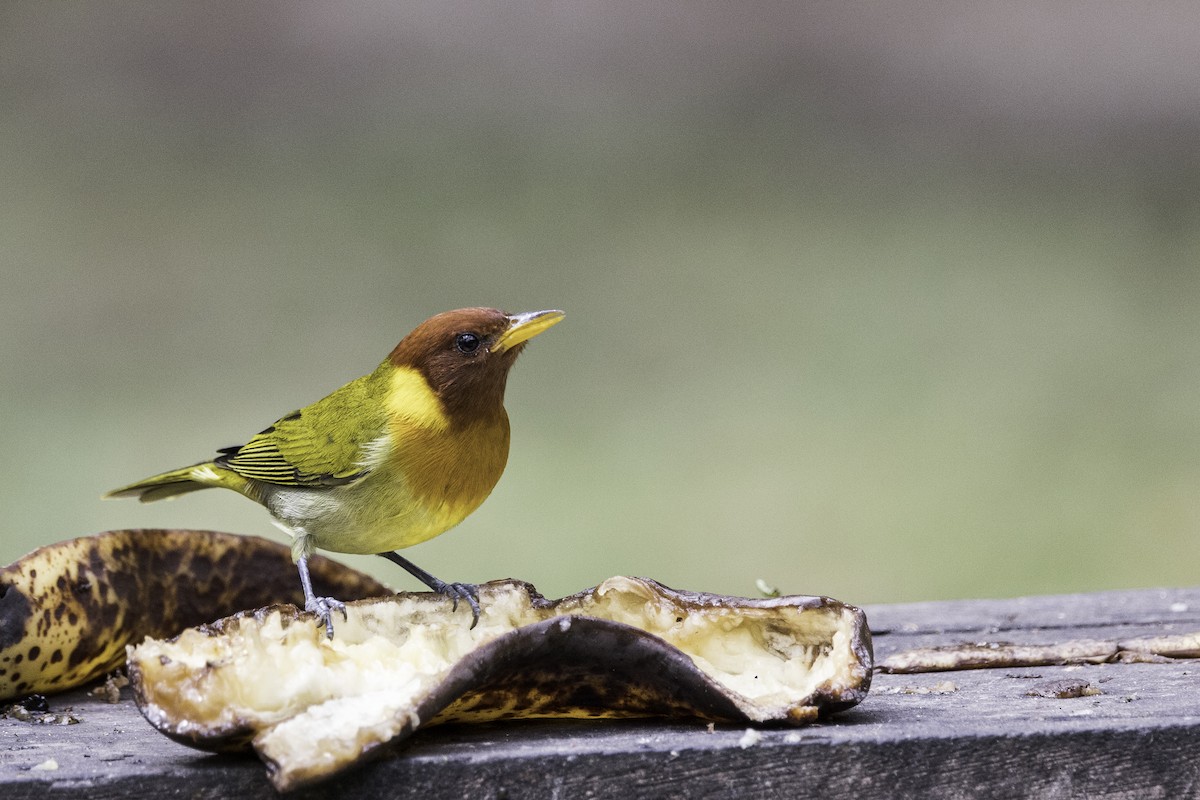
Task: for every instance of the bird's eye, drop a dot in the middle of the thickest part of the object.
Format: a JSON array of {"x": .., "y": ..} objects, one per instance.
[{"x": 467, "y": 343}]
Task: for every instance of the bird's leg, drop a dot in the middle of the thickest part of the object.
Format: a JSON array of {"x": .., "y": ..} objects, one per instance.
[
  {"x": 455, "y": 591},
  {"x": 323, "y": 607}
]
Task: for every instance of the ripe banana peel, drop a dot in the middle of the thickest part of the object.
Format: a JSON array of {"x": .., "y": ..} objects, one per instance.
[
  {"x": 312, "y": 707},
  {"x": 68, "y": 610}
]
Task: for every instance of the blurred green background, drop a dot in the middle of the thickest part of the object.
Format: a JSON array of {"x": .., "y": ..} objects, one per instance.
[{"x": 883, "y": 301}]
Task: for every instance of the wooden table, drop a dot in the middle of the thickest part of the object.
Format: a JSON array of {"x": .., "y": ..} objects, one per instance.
[{"x": 973, "y": 733}]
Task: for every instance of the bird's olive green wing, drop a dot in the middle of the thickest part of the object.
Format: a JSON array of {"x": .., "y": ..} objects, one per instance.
[{"x": 328, "y": 443}]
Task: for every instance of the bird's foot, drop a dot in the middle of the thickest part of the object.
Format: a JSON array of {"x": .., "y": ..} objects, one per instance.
[
  {"x": 455, "y": 591},
  {"x": 461, "y": 591},
  {"x": 324, "y": 607}
]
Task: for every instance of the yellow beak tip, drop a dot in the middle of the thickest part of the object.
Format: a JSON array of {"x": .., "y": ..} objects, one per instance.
[{"x": 523, "y": 327}]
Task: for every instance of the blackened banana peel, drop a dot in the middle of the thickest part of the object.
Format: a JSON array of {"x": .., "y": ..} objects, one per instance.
[{"x": 312, "y": 707}]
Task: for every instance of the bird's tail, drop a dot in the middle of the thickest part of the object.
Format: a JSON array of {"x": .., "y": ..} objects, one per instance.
[{"x": 169, "y": 484}]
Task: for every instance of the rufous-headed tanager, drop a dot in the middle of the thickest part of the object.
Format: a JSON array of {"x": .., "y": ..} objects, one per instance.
[{"x": 388, "y": 460}]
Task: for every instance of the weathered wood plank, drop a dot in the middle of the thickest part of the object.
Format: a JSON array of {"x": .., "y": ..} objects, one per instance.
[
  {"x": 1135, "y": 606},
  {"x": 954, "y": 734}
]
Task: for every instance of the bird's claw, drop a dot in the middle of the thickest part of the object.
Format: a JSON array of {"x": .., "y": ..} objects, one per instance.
[
  {"x": 455, "y": 591},
  {"x": 324, "y": 607},
  {"x": 462, "y": 591}
]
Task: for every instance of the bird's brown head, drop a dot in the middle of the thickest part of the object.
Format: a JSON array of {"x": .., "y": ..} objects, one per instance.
[{"x": 465, "y": 355}]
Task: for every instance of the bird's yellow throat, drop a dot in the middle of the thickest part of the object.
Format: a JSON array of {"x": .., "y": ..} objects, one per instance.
[{"x": 411, "y": 399}]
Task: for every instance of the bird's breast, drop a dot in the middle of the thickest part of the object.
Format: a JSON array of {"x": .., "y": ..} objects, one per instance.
[{"x": 452, "y": 470}]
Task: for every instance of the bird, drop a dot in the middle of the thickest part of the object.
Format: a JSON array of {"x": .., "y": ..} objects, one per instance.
[{"x": 387, "y": 461}]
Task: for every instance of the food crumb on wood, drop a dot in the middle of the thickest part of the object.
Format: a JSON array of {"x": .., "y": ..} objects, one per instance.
[
  {"x": 750, "y": 738},
  {"x": 1064, "y": 689},
  {"x": 21, "y": 713},
  {"x": 110, "y": 690}
]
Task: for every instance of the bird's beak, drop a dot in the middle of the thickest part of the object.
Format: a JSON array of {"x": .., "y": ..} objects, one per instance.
[{"x": 523, "y": 327}]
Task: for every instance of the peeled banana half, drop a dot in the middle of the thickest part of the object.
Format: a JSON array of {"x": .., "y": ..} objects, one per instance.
[{"x": 312, "y": 707}]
